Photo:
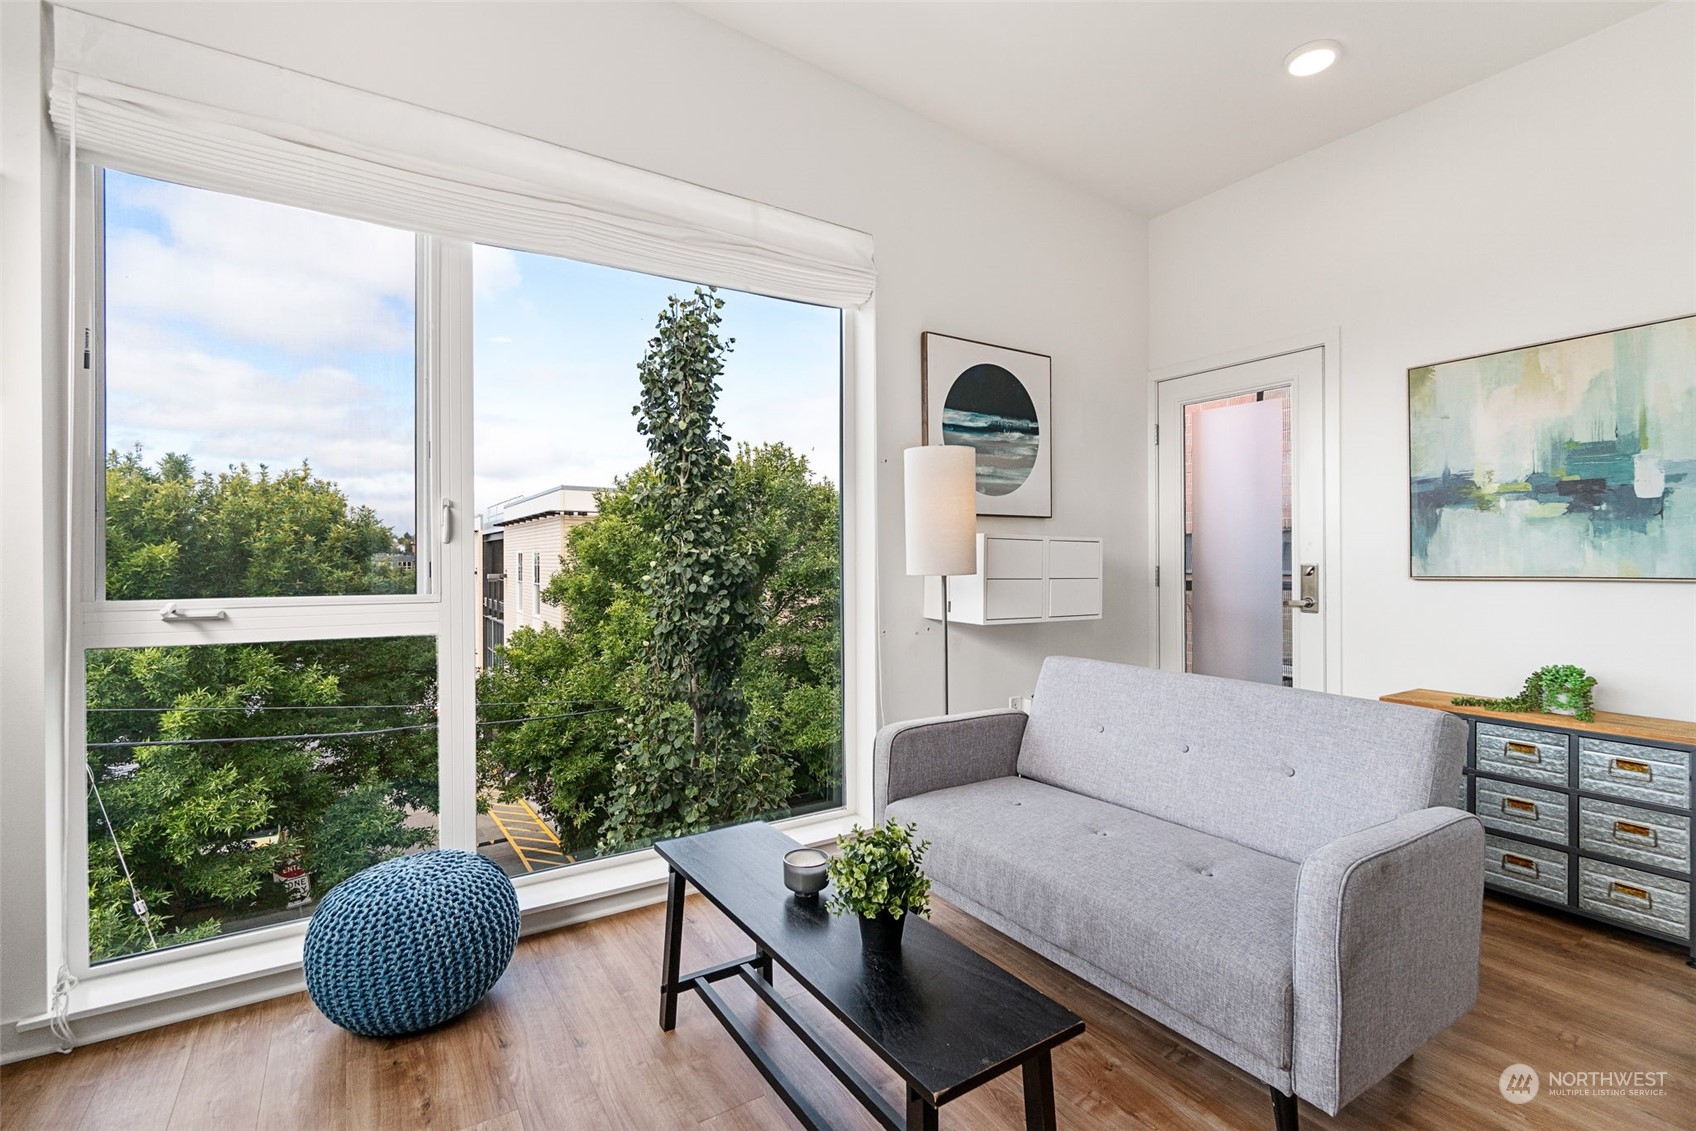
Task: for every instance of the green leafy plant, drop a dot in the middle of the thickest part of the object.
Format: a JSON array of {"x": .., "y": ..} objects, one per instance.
[
  {"x": 1560, "y": 688},
  {"x": 878, "y": 872},
  {"x": 690, "y": 763}
]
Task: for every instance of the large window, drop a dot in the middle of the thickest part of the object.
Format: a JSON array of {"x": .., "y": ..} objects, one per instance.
[
  {"x": 566, "y": 463},
  {"x": 325, "y": 613},
  {"x": 254, "y": 396}
]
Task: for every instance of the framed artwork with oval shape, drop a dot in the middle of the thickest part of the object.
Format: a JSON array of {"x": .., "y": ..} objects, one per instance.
[{"x": 995, "y": 400}]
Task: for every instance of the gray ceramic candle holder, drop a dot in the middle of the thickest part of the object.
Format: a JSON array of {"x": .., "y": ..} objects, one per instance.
[{"x": 804, "y": 872}]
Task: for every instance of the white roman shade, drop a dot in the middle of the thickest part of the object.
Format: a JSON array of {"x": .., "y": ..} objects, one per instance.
[{"x": 165, "y": 108}]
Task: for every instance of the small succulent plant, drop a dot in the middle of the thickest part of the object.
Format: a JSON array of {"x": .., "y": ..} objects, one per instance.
[{"x": 878, "y": 872}]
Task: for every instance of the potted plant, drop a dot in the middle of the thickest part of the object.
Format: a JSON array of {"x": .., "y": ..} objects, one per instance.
[
  {"x": 877, "y": 876},
  {"x": 1558, "y": 689},
  {"x": 1566, "y": 690}
]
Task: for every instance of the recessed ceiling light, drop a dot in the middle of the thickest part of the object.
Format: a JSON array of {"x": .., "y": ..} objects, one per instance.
[{"x": 1311, "y": 58}]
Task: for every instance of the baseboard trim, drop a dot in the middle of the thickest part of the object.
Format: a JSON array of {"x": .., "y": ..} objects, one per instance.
[{"x": 30, "y": 1037}]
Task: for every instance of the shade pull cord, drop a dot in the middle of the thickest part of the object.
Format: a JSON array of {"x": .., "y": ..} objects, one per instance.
[
  {"x": 60, "y": 1005},
  {"x": 60, "y": 1025}
]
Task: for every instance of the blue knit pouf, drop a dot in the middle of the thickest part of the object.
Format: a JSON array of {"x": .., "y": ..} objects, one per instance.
[{"x": 411, "y": 942}]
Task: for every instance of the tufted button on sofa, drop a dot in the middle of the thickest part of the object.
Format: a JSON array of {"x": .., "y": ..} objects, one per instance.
[{"x": 1275, "y": 874}]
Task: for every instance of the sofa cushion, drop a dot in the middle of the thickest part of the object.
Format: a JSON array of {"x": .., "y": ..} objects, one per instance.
[
  {"x": 1278, "y": 770},
  {"x": 1199, "y": 923}
]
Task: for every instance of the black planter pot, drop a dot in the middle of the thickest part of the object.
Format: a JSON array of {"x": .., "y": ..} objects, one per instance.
[{"x": 882, "y": 934}]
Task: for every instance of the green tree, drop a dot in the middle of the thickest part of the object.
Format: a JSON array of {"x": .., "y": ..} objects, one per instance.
[
  {"x": 184, "y": 774},
  {"x": 792, "y": 673},
  {"x": 173, "y": 534},
  {"x": 689, "y": 763},
  {"x": 591, "y": 670}
]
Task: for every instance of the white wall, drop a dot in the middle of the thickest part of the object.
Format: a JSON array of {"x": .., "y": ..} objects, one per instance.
[
  {"x": 31, "y": 615},
  {"x": 1554, "y": 199},
  {"x": 968, "y": 243}
]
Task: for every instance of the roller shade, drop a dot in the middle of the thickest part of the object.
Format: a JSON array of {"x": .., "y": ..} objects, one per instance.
[{"x": 165, "y": 108}]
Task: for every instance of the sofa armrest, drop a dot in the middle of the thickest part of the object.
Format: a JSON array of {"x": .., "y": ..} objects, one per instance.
[
  {"x": 1386, "y": 948},
  {"x": 921, "y": 755}
]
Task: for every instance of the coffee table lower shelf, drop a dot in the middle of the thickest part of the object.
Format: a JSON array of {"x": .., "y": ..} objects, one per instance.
[{"x": 756, "y": 971}]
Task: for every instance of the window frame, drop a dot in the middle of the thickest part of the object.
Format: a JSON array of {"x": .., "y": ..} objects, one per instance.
[
  {"x": 447, "y": 606},
  {"x": 97, "y": 622}
]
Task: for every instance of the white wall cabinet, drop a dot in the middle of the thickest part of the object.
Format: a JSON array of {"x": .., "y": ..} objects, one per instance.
[{"x": 1023, "y": 580}]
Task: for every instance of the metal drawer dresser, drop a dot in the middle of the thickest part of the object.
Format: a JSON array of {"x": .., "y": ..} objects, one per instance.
[{"x": 1593, "y": 817}]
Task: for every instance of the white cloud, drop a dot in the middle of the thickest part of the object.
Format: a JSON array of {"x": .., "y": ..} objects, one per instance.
[
  {"x": 260, "y": 273},
  {"x": 169, "y": 395}
]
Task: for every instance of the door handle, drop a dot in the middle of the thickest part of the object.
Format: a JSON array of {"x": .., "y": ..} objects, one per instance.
[{"x": 1308, "y": 602}]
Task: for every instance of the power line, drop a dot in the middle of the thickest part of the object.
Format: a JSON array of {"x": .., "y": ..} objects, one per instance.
[
  {"x": 262, "y": 709},
  {"x": 338, "y": 707},
  {"x": 235, "y": 740},
  {"x": 541, "y": 718},
  {"x": 128, "y": 744}
]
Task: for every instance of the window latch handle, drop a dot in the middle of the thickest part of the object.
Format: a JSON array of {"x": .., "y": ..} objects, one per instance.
[
  {"x": 172, "y": 613},
  {"x": 447, "y": 521}
]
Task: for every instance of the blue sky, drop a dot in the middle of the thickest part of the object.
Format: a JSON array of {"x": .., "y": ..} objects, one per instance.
[
  {"x": 557, "y": 347},
  {"x": 241, "y": 331}
]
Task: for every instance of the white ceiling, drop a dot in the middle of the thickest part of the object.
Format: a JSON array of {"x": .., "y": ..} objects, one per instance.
[{"x": 1155, "y": 104}]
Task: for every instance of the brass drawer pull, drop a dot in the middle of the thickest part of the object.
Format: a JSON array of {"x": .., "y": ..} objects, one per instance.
[
  {"x": 1630, "y": 895},
  {"x": 1631, "y": 768},
  {"x": 1522, "y": 752},
  {"x": 1519, "y": 809},
  {"x": 1512, "y": 863},
  {"x": 1631, "y": 833}
]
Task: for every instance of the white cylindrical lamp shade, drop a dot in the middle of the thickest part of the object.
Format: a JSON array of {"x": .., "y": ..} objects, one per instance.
[{"x": 941, "y": 496}]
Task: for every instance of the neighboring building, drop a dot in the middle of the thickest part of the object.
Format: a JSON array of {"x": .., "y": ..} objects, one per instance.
[{"x": 523, "y": 540}]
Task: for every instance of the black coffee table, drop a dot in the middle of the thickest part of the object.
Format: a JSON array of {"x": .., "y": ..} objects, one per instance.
[{"x": 945, "y": 1018}]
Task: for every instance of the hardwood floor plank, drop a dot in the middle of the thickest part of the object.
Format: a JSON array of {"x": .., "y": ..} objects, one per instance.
[
  {"x": 224, "y": 1076},
  {"x": 569, "y": 1041},
  {"x": 303, "y": 1069}
]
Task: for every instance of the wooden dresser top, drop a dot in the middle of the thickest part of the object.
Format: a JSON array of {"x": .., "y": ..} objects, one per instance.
[{"x": 1606, "y": 722}]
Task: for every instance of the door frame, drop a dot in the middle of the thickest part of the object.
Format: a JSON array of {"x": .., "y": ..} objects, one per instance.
[{"x": 1329, "y": 341}]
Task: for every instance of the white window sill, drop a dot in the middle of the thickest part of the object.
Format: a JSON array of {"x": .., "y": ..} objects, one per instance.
[{"x": 127, "y": 997}]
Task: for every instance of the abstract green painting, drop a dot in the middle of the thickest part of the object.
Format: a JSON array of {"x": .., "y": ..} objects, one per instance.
[{"x": 1571, "y": 459}]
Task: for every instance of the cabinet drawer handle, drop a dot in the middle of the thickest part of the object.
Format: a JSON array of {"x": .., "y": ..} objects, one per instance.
[
  {"x": 1629, "y": 895},
  {"x": 1522, "y": 752},
  {"x": 1631, "y": 768},
  {"x": 1634, "y": 833},
  {"x": 1524, "y": 864},
  {"x": 1519, "y": 809}
]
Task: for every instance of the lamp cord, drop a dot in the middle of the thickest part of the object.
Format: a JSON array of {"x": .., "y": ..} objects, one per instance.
[{"x": 945, "y": 644}]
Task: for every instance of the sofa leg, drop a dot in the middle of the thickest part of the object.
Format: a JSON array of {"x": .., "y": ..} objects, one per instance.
[{"x": 1284, "y": 1115}]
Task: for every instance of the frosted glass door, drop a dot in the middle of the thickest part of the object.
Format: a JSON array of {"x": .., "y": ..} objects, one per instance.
[
  {"x": 1241, "y": 489},
  {"x": 1236, "y": 520}
]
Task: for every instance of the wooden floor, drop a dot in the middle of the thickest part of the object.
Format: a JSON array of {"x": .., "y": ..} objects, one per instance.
[{"x": 569, "y": 1039}]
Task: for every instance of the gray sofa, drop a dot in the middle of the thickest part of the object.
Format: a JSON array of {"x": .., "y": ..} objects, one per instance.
[{"x": 1278, "y": 875}]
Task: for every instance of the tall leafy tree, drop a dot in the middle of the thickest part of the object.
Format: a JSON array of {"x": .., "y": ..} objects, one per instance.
[
  {"x": 578, "y": 690},
  {"x": 689, "y": 763}
]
